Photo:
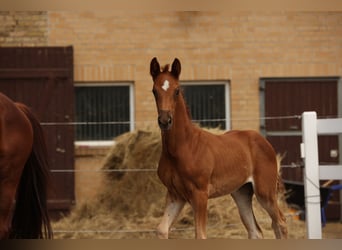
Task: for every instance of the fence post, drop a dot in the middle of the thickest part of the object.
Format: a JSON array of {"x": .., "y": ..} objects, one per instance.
[{"x": 311, "y": 176}]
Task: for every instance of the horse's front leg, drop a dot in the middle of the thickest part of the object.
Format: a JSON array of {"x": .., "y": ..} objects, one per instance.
[
  {"x": 172, "y": 210},
  {"x": 199, "y": 205}
]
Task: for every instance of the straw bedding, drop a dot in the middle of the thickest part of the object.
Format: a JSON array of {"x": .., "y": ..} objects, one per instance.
[{"x": 130, "y": 204}]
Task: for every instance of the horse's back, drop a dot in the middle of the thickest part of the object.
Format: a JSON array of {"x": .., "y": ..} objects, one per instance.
[
  {"x": 235, "y": 146},
  {"x": 11, "y": 116},
  {"x": 250, "y": 138}
]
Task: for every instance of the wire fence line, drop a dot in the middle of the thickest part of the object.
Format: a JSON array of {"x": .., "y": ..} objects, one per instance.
[
  {"x": 290, "y": 215},
  {"x": 102, "y": 170},
  {"x": 89, "y": 123},
  {"x": 122, "y": 170},
  {"x": 86, "y": 123},
  {"x": 154, "y": 121}
]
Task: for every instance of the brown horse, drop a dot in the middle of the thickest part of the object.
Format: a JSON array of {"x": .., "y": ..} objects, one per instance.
[
  {"x": 196, "y": 165},
  {"x": 23, "y": 174}
]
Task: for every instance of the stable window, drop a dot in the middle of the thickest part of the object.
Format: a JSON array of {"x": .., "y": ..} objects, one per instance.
[
  {"x": 103, "y": 111},
  {"x": 208, "y": 102}
]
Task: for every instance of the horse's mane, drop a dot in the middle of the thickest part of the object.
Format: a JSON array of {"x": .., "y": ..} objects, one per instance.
[
  {"x": 188, "y": 111},
  {"x": 186, "y": 105},
  {"x": 166, "y": 68}
]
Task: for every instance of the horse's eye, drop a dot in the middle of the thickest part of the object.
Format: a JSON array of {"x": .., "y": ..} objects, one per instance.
[{"x": 177, "y": 92}]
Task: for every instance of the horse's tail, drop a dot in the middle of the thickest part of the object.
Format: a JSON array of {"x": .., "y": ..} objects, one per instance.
[
  {"x": 280, "y": 184},
  {"x": 31, "y": 219}
]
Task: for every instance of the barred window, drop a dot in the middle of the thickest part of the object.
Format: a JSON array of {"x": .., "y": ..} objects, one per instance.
[
  {"x": 103, "y": 111},
  {"x": 208, "y": 103}
]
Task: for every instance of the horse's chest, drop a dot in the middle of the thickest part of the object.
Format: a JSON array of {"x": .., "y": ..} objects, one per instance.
[
  {"x": 169, "y": 176},
  {"x": 174, "y": 181}
]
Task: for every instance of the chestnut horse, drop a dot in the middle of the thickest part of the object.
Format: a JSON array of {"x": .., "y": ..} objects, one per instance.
[
  {"x": 196, "y": 165},
  {"x": 23, "y": 174}
]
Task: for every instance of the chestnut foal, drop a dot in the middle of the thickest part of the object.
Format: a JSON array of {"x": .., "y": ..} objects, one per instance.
[{"x": 196, "y": 165}]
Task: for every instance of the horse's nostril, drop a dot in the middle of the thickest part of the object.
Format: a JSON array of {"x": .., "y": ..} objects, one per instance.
[{"x": 165, "y": 120}]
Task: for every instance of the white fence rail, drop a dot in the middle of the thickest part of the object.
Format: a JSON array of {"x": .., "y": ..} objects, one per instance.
[{"x": 313, "y": 172}]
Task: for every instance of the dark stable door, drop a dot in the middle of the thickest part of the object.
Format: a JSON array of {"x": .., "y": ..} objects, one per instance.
[
  {"x": 288, "y": 99},
  {"x": 42, "y": 78}
]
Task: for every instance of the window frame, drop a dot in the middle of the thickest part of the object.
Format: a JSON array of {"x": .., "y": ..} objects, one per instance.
[{"x": 105, "y": 143}]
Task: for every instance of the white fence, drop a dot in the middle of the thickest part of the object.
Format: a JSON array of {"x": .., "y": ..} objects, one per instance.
[{"x": 313, "y": 172}]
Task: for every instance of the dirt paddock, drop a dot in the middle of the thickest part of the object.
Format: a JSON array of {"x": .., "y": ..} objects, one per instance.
[{"x": 129, "y": 204}]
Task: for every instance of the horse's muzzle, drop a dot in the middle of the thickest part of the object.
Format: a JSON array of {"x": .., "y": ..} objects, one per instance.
[{"x": 165, "y": 119}]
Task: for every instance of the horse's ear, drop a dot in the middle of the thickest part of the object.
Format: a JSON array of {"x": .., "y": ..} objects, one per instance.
[
  {"x": 154, "y": 68},
  {"x": 176, "y": 68}
]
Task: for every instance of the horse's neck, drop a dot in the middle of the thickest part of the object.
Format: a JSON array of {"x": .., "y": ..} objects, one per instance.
[{"x": 181, "y": 131}]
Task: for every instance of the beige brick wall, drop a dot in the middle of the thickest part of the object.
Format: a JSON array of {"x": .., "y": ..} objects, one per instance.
[
  {"x": 240, "y": 47},
  {"x": 23, "y": 28},
  {"x": 236, "y": 46}
]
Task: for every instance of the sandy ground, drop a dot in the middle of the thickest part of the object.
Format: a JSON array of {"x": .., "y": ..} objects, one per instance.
[{"x": 223, "y": 223}]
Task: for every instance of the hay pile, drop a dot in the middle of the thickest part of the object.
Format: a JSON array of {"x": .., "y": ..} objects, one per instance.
[{"x": 131, "y": 203}]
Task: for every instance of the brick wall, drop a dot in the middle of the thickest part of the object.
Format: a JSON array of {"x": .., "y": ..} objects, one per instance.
[
  {"x": 23, "y": 28},
  {"x": 240, "y": 47}
]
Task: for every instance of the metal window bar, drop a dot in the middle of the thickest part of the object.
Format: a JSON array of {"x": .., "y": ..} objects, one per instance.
[
  {"x": 207, "y": 104},
  {"x": 106, "y": 108}
]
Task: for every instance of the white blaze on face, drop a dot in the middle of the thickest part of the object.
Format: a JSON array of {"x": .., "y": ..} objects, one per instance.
[{"x": 166, "y": 85}]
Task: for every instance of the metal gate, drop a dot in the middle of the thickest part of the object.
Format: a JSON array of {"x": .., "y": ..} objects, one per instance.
[{"x": 42, "y": 78}]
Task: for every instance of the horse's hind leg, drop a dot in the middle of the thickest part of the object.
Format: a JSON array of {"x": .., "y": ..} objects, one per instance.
[
  {"x": 9, "y": 180},
  {"x": 7, "y": 194},
  {"x": 268, "y": 200},
  {"x": 5, "y": 216},
  {"x": 277, "y": 216},
  {"x": 243, "y": 199}
]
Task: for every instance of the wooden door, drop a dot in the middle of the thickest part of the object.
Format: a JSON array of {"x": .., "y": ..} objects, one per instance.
[
  {"x": 283, "y": 102},
  {"x": 42, "y": 78}
]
